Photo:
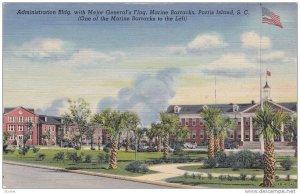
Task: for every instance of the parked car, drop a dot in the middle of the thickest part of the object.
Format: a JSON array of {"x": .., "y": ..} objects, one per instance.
[
  {"x": 230, "y": 145},
  {"x": 190, "y": 145}
]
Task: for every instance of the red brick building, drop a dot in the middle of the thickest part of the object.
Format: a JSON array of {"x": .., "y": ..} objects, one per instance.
[{"x": 43, "y": 129}]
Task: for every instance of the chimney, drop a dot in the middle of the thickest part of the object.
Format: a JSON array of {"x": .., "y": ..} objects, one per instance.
[
  {"x": 252, "y": 102},
  {"x": 45, "y": 118}
]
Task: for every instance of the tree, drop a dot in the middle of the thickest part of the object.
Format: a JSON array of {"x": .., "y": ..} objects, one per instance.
[
  {"x": 90, "y": 134},
  {"x": 169, "y": 124},
  {"x": 113, "y": 122},
  {"x": 131, "y": 120},
  {"x": 157, "y": 130},
  {"x": 211, "y": 117},
  {"x": 151, "y": 133},
  {"x": 226, "y": 125},
  {"x": 139, "y": 134},
  {"x": 270, "y": 122},
  {"x": 78, "y": 117},
  {"x": 27, "y": 133},
  {"x": 180, "y": 134}
]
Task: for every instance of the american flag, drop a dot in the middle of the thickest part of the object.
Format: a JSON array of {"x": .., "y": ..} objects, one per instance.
[{"x": 269, "y": 17}]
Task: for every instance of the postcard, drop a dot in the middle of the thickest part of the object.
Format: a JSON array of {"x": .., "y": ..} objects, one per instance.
[{"x": 150, "y": 96}]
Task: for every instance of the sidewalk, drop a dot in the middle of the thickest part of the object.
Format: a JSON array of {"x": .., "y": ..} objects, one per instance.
[{"x": 171, "y": 170}]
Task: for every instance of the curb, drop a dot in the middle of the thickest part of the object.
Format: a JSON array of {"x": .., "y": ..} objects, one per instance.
[{"x": 173, "y": 185}]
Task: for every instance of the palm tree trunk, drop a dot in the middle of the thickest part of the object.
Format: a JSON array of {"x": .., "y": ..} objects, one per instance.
[
  {"x": 216, "y": 144},
  {"x": 113, "y": 155},
  {"x": 158, "y": 144},
  {"x": 269, "y": 164},
  {"x": 127, "y": 143},
  {"x": 165, "y": 145},
  {"x": 222, "y": 141},
  {"x": 211, "y": 147}
]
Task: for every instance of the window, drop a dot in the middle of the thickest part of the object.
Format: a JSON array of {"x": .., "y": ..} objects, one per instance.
[
  {"x": 21, "y": 128},
  {"x": 193, "y": 134},
  {"x": 12, "y": 137},
  {"x": 186, "y": 122},
  {"x": 21, "y": 119},
  {"x": 20, "y": 137},
  {"x": 11, "y": 127},
  {"x": 11, "y": 119},
  {"x": 239, "y": 136},
  {"x": 179, "y": 123},
  {"x": 231, "y": 136},
  {"x": 201, "y": 134},
  {"x": 247, "y": 136},
  {"x": 194, "y": 122},
  {"x": 201, "y": 123},
  {"x": 256, "y": 136},
  {"x": 53, "y": 129}
]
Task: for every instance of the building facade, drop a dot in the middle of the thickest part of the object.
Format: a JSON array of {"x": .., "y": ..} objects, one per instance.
[
  {"x": 189, "y": 116},
  {"x": 42, "y": 129}
]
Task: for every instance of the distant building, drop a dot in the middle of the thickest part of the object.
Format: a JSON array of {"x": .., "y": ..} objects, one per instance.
[
  {"x": 189, "y": 116},
  {"x": 44, "y": 129}
]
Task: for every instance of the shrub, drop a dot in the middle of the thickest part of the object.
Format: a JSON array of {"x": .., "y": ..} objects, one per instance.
[
  {"x": 209, "y": 163},
  {"x": 76, "y": 147},
  {"x": 178, "y": 151},
  {"x": 40, "y": 157},
  {"x": 88, "y": 159},
  {"x": 253, "y": 178},
  {"x": 277, "y": 178},
  {"x": 137, "y": 167},
  {"x": 243, "y": 177},
  {"x": 229, "y": 178},
  {"x": 186, "y": 175},
  {"x": 220, "y": 160},
  {"x": 106, "y": 149},
  {"x": 222, "y": 177},
  {"x": 74, "y": 157},
  {"x": 103, "y": 158},
  {"x": 35, "y": 149},
  {"x": 286, "y": 164},
  {"x": 199, "y": 176},
  {"x": 23, "y": 150},
  {"x": 209, "y": 176},
  {"x": 59, "y": 156},
  {"x": 193, "y": 176}
]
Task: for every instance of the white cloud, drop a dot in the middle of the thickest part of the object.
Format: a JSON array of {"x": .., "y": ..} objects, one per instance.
[
  {"x": 232, "y": 65},
  {"x": 273, "y": 55},
  {"x": 39, "y": 48},
  {"x": 86, "y": 57},
  {"x": 207, "y": 41},
  {"x": 176, "y": 49},
  {"x": 253, "y": 40}
]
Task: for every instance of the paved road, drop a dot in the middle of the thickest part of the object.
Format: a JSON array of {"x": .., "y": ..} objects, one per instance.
[{"x": 21, "y": 177}]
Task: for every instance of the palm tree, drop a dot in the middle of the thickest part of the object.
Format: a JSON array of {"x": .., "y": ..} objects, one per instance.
[
  {"x": 211, "y": 118},
  {"x": 169, "y": 123},
  {"x": 113, "y": 123},
  {"x": 157, "y": 128},
  {"x": 131, "y": 120},
  {"x": 226, "y": 125},
  {"x": 180, "y": 134},
  {"x": 151, "y": 133},
  {"x": 270, "y": 122},
  {"x": 139, "y": 134}
]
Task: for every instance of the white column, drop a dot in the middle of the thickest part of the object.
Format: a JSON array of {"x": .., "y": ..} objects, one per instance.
[
  {"x": 251, "y": 129},
  {"x": 281, "y": 135},
  {"x": 242, "y": 128}
]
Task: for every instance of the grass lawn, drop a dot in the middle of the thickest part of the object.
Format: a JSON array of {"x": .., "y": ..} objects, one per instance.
[
  {"x": 196, "y": 168},
  {"x": 217, "y": 183},
  {"x": 124, "y": 158}
]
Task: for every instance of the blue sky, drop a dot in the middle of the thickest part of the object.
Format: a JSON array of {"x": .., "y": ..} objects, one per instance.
[{"x": 47, "y": 58}]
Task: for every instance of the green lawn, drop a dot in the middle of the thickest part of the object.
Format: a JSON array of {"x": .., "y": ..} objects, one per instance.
[
  {"x": 196, "y": 168},
  {"x": 217, "y": 183},
  {"x": 124, "y": 158}
]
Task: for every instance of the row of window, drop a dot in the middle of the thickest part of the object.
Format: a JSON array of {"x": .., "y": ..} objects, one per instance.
[
  {"x": 187, "y": 123},
  {"x": 19, "y": 127},
  {"x": 20, "y": 137},
  {"x": 20, "y": 119}
]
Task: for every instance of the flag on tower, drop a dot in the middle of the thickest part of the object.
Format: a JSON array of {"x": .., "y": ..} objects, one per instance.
[
  {"x": 270, "y": 17},
  {"x": 268, "y": 73}
]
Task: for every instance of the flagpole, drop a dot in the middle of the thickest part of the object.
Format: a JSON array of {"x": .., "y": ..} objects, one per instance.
[{"x": 261, "y": 137}]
